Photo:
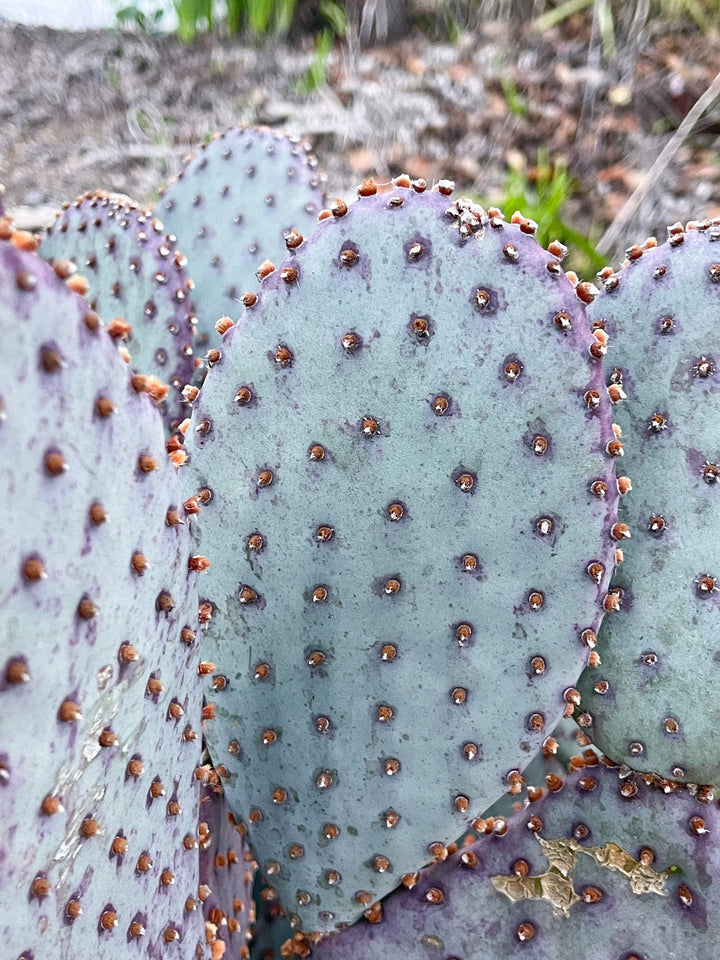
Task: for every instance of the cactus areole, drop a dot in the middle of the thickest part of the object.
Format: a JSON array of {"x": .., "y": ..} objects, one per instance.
[{"x": 405, "y": 458}]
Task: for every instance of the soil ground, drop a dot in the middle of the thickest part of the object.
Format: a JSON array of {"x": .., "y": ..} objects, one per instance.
[{"x": 119, "y": 111}]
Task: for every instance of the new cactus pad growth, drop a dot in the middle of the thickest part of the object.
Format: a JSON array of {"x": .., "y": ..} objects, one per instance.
[
  {"x": 100, "y": 697},
  {"x": 231, "y": 208},
  {"x": 654, "y": 702},
  {"x": 137, "y": 281},
  {"x": 407, "y": 455},
  {"x": 604, "y": 866}
]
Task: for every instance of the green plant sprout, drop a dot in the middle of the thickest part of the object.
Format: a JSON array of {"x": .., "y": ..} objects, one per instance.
[{"x": 542, "y": 192}]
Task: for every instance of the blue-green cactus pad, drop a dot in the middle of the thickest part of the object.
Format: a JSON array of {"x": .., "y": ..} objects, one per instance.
[
  {"x": 100, "y": 698},
  {"x": 654, "y": 701},
  {"x": 607, "y": 867},
  {"x": 231, "y": 207},
  {"x": 401, "y": 457},
  {"x": 136, "y": 274},
  {"x": 272, "y": 928}
]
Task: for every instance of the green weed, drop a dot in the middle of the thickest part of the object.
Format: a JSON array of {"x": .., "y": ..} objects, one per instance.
[
  {"x": 257, "y": 18},
  {"x": 193, "y": 15},
  {"x": 542, "y": 193},
  {"x": 316, "y": 74},
  {"x": 445, "y": 19},
  {"x": 260, "y": 18},
  {"x": 517, "y": 104},
  {"x": 130, "y": 15},
  {"x": 335, "y": 16}
]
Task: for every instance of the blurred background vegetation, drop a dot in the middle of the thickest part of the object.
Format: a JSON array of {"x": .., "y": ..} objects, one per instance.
[
  {"x": 540, "y": 186},
  {"x": 599, "y": 119},
  {"x": 388, "y": 19}
]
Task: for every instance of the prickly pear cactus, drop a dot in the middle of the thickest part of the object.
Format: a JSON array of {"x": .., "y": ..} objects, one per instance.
[
  {"x": 100, "y": 697},
  {"x": 230, "y": 209},
  {"x": 604, "y": 867},
  {"x": 138, "y": 283},
  {"x": 568, "y": 748},
  {"x": 654, "y": 701},
  {"x": 406, "y": 460}
]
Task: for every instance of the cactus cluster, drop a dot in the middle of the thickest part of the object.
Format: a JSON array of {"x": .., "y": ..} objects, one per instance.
[{"x": 330, "y": 624}]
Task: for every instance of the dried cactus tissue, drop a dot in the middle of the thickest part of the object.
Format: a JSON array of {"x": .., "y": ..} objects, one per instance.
[{"x": 360, "y": 583}]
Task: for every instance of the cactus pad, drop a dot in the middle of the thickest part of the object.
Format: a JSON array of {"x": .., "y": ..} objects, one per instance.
[
  {"x": 100, "y": 698},
  {"x": 654, "y": 701},
  {"x": 137, "y": 283},
  {"x": 410, "y": 501},
  {"x": 230, "y": 209},
  {"x": 227, "y": 872}
]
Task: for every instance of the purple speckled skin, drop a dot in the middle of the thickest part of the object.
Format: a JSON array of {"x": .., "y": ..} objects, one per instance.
[
  {"x": 402, "y": 460},
  {"x": 454, "y": 910},
  {"x": 136, "y": 273},
  {"x": 100, "y": 698}
]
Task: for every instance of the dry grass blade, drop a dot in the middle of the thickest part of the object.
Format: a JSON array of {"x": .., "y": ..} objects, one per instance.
[
  {"x": 555, "y": 16},
  {"x": 610, "y": 239}
]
